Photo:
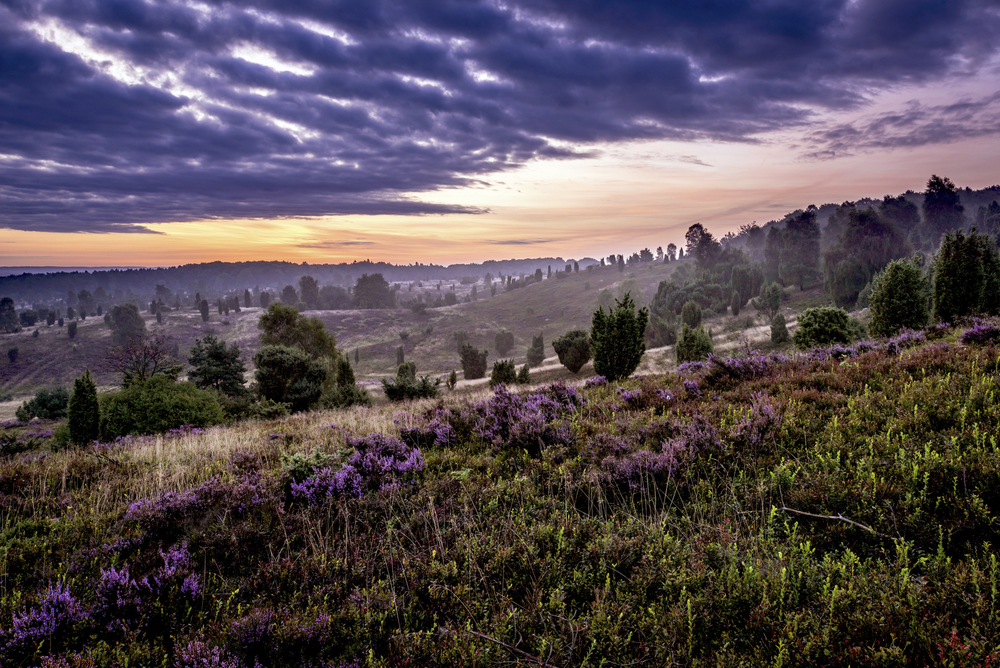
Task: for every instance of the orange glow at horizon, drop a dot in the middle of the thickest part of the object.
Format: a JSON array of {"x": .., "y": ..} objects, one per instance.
[{"x": 631, "y": 196}]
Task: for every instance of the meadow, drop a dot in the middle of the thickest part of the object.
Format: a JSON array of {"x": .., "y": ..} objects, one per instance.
[
  {"x": 551, "y": 308},
  {"x": 834, "y": 507}
]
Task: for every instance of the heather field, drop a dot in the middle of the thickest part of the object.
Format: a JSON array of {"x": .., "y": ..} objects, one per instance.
[{"x": 836, "y": 507}]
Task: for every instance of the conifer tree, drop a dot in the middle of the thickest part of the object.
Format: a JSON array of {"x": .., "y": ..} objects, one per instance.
[
  {"x": 83, "y": 413},
  {"x": 617, "y": 339},
  {"x": 898, "y": 299},
  {"x": 536, "y": 352}
]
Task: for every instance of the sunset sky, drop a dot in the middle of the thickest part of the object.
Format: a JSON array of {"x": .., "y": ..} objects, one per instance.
[{"x": 137, "y": 132}]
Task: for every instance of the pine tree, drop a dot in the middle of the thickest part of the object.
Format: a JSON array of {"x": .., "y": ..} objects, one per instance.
[
  {"x": 964, "y": 266},
  {"x": 83, "y": 414},
  {"x": 617, "y": 339}
]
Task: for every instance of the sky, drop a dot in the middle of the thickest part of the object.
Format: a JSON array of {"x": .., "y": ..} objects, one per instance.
[{"x": 139, "y": 132}]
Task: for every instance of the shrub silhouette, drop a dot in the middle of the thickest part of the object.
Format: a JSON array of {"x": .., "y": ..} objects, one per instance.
[
  {"x": 573, "y": 349},
  {"x": 536, "y": 351},
  {"x": 473, "y": 362},
  {"x": 503, "y": 342},
  {"x": 779, "y": 332},
  {"x": 691, "y": 314}
]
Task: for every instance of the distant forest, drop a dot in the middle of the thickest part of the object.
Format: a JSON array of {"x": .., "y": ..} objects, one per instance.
[
  {"x": 842, "y": 245},
  {"x": 213, "y": 280}
]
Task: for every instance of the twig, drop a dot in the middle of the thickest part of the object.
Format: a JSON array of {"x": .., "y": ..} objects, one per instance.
[{"x": 837, "y": 517}]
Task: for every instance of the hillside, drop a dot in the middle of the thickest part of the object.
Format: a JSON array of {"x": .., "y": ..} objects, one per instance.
[
  {"x": 834, "y": 508},
  {"x": 551, "y": 308}
]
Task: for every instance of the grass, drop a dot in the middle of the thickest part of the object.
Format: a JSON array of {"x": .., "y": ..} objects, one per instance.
[
  {"x": 551, "y": 307},
  {"x": 837, "y": 508}
]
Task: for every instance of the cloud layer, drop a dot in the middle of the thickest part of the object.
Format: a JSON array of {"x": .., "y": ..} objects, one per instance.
[{"x": 116, "y": 114}]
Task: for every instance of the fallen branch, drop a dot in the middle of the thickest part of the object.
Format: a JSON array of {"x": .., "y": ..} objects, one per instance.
[{"x": 837, "y": 517}]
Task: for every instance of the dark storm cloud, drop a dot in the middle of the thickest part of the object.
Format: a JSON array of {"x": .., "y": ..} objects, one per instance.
[
  {"x": 916, "y": 125},
  {"x": 385, "y": 99}
]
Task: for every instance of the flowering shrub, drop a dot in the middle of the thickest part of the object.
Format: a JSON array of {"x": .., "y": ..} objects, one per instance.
[
  {"x": 378, "y": 463},
  {"x": 197, "y": 654},
  {"x": 54, "y": 617},
  {"x": 165, "y": 518},
  {"x": 692, "y": 388},
  {"x": 122, "y": 601},
  {"x": 688, "y": 368},
  {"x": 755, "y": 424},
  {"x": 981, "y": 334},
  {"x": 596, "y": 381},
  {"x": 436, "y": 430},
  {"x": 525, "y": 423},
  {"x": 753, "y": 365},
  {"x": 634, "y": 468},
  {"x": 632, "y": 398}
]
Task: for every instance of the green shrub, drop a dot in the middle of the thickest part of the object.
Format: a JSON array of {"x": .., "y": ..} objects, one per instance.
[
  {"x": 504, "y": 373},
  {"x": 452, "y": 380},
  {"x": 71, "y": 329},
  {"x": 769, "y": 302},
  {"x": 822, "y": 326},
  {"x": 12, "y": 354},
  {"x": 283, "y": 325},
  {"x": 694, "y": 345},
  {"x": 573, "y": 349},
  {"x": 408, "y": 387},
  {"x": 617, "y": 339},
  {"x": 779, "y": 331},
  {"x": 289, "y": 375},
  {"x": 156, "y": 405},
  {"x": 340, "y": 388},
  {"x": 503, "y": 342},
  {"x": 45, "y": 405},
  {"x": 734, "y": 304},
  {"x": 407, "y": 370},
  {"x": 524, "y": 376},
  {"x": 265, "y": 409},
  {"x": 536, "y": 351},
  {"x": 473, "y": 362},
  {"x": 691, "y": 314},
  {"x": 83, "y": 411}
]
